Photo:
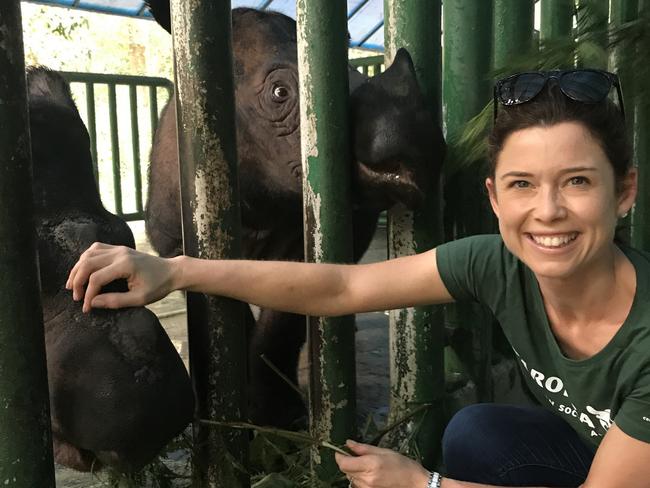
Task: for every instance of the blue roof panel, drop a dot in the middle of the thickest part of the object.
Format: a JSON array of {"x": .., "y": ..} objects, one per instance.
[
  {"x": 366, "y": 21},
  {"x": 365, "y": 16}
]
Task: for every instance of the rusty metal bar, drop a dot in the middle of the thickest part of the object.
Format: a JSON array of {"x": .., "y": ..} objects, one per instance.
[
  {"x": 25, "y": 436},
  {"x": 417, "y": 334},
  {"x": 212, "y": 230},
  {"x": 322, "y": 61}
]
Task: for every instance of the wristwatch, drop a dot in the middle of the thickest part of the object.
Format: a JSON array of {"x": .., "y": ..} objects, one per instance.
[{"x": 435, "y": 480}]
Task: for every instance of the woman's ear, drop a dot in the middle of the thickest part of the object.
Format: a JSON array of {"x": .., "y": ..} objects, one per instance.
[
  {"x": 627, "y": 192},
  {"x": 492, "y": 193}
]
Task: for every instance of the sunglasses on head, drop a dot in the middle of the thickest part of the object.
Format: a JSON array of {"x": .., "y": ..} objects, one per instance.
[{"x": 581, "y": 85}]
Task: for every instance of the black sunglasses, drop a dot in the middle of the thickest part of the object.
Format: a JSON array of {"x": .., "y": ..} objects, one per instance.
[{"x": 581, "y": 85}]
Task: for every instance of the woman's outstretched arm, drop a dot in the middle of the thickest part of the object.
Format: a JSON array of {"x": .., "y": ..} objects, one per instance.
[{"x": 310, "y": 289}]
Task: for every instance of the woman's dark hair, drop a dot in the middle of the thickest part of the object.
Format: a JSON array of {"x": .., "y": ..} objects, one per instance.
[{"x": 603, "y": 120}]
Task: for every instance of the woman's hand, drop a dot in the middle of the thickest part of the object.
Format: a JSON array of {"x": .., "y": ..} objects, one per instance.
[
  {"x": 374, "y": 467},
  {"x": 149, "y": 278}
]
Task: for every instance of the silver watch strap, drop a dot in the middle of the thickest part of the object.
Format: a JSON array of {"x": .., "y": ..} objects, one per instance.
[{"x": 435, "y": 480}]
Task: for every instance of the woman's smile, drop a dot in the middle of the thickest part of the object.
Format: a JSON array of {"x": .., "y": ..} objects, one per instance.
[{"x": 553, "y": 241}]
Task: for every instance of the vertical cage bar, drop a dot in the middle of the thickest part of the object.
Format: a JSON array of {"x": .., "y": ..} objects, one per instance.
[
  {"x": 466, "y": 90},
  {"x": 621, "y": 61},
  {"x": 115, "y": 149},
  {"x": 135, "y": 144},
  {"x": 556, "y": 19},
  {"x": 641, "y": 108},
  {"x": 92, "y": 126},
  {"x": 153, "y": 109},
  {"x": 592, "y": 18},
  {"x": 212, "y": 229},
  {"x": 322, "y": 56},
  {"x": 513, "y": 30},
  {"x": 25, "y": 437},
  {"x": 417, "y": 334}
]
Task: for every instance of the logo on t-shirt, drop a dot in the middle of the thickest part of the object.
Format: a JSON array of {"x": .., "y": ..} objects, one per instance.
[{"x": 553, "y": 385}]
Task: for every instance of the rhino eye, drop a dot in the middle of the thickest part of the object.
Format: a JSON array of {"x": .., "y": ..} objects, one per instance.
[{"x": 280, "y": 93}]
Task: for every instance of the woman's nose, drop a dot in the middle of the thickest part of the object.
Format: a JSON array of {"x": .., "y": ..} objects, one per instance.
[{"x": 549, "y": 205}]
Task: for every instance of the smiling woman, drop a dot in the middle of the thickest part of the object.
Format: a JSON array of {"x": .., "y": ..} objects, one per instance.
[{"x": 571, "y": 301}]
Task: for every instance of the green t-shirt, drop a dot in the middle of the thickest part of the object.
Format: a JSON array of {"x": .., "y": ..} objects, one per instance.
[{"x": 613, "y": 385}]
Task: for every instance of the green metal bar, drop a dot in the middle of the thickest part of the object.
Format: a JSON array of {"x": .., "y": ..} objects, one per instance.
[
  {"x": 129, "y": 217},
  {"x": 135, "y": 143},
  {"x": 513, "y": 30},
  {"x": 467, "y": 61},
  {"x": 417, "y": 334},
  {"x": 25, "y": 437},
  {"x": 153, "y": 109},
  {"x": 592, "y": 18},
  {"x": 641, "y": 107},
  {"x": 92, "y": 126},
  {"x": 322, "y": 61},
  {"x": 74, "y": 77},
  {"x": 556, "y": 19},
  {"x": 622, "y": 61},
  {"x": 466, "y": 90},
  {"x": 212, "y": 230},
  {"x": 369, "y": 61},
  {"x": 115, "y": 148}
]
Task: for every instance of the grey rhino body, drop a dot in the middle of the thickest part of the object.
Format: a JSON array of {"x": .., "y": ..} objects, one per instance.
[
  {"x": 118, "y": 389},
  {"x": 397, "y": 151}
]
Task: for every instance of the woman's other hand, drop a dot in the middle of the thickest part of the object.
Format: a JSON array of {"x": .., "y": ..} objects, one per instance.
[
  {"x": 149, "y": 278},
  {"x": 375, "y": 467}
]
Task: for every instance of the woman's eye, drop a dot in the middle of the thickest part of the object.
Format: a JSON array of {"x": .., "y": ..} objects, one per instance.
[
  {"x": 520, "y": 184},
  {"x": 280, "y": 92},
  {"x": 578, "y": 180}
]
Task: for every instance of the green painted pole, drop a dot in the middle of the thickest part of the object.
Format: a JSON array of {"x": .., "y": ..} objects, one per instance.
[
  {"x": 556, "y": 19},
  {"x": 513, "y": 30},
  {"x": 211, "y": 230},
  {"x": 115, "y": 148},
  {"x": 466, "y": 89},
  {"x": 467, "y": 62},
  {"x": 25, "y": 437},
  {"x": 326, "y": 162},
  {"x": 622, "y": 61},
  {"x": 592, "y": 18},
  {"x": 417, "y": 334},
  {"x": 641, "y": 110}
]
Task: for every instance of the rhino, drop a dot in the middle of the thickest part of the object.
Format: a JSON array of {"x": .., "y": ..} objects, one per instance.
[
  {"x": 397, "y": 152},
  {"x": 119, "y": 391}
]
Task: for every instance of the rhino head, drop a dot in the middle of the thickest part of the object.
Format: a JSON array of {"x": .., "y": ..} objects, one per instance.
[
  {"x": 118, "y": 389},
  {"x": 397, "y": 148}
]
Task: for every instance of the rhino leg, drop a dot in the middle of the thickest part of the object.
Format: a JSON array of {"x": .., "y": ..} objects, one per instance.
[
  {"x": 73, "y": 457},
  {"x": 278, "y": 337}
]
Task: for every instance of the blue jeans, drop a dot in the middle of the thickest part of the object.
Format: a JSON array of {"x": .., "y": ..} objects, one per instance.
[{"x": 507, "y": 445}]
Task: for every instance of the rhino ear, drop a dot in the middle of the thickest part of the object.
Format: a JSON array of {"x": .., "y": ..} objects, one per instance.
[
  {"x": 161, "y": 12},
  {"x": 403, "y": 63}
]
